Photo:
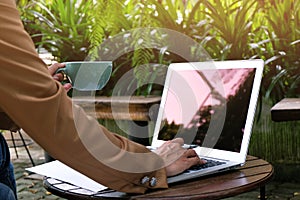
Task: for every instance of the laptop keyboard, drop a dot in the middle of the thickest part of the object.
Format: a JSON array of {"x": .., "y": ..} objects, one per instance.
[{"x": 209, "y": 163}]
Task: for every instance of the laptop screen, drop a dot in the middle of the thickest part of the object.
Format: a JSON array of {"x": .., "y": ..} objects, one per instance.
[{"x": 206, "y": 107}]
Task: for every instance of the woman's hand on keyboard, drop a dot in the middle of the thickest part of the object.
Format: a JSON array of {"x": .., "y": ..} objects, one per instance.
[{"x": 177, "y": 159}]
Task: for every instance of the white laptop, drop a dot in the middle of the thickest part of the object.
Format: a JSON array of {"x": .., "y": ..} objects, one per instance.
[{"x": 211, "y": 105}]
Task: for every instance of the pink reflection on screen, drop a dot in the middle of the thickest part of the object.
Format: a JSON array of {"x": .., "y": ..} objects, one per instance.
[
  {"x": 189, "y": 90},
  {"x": 183, "y": 100}
]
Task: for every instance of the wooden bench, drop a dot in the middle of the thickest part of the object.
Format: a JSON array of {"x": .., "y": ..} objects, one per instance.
[
  {"x": 138, "y": 110},
  {"x": 288, "y": 109}
]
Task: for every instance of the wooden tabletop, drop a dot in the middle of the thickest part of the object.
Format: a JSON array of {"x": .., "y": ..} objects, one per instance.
[
  {"x": 136, "y": 108},
  {"x": 287, "y": 109},
  {"x": 254, "y": 174}
]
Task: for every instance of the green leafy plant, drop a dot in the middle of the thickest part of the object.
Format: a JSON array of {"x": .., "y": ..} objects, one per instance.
[
  {"x": 133, "y": 19},
  {"x": 231, "y": 23},
  {"x": 282, "y": 75},
  {"x": 24, "y": 7},
  {"x": 109, "y": 19},
  {"x": 186, "y": 17},
  {"x": 65, "y": 26}
]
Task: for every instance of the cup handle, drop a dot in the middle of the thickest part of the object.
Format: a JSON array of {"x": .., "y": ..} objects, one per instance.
[{"x": 63, "y": 72}]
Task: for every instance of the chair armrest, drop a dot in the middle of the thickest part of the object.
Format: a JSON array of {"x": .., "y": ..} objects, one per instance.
[{"x": 6, "y": 123}]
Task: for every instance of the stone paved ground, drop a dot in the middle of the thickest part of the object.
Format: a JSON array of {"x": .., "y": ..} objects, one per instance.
[{"x": 29, "y": 187}]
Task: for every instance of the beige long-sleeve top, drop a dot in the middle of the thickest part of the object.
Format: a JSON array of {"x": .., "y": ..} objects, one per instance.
[{"x": 41, "y": 107}]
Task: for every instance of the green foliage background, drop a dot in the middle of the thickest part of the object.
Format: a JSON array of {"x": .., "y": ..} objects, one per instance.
[{"x": 227, "y": 29}]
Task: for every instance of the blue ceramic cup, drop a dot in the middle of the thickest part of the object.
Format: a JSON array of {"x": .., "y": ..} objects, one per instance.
[{"x": 87, "y": 76}]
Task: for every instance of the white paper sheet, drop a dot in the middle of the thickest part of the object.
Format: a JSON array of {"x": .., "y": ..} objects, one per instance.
[{"x": 60, "y": 171}]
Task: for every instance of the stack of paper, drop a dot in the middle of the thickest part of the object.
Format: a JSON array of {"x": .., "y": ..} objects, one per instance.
[{"x": 62, "y": 172}]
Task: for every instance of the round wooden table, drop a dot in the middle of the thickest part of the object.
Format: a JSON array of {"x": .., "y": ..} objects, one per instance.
[{"x": 254, "y": 174}]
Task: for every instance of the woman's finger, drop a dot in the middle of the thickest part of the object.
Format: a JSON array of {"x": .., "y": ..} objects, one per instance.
[
  {"x": 54, "y": 67},
  {"x": 178, "y": 140}
]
